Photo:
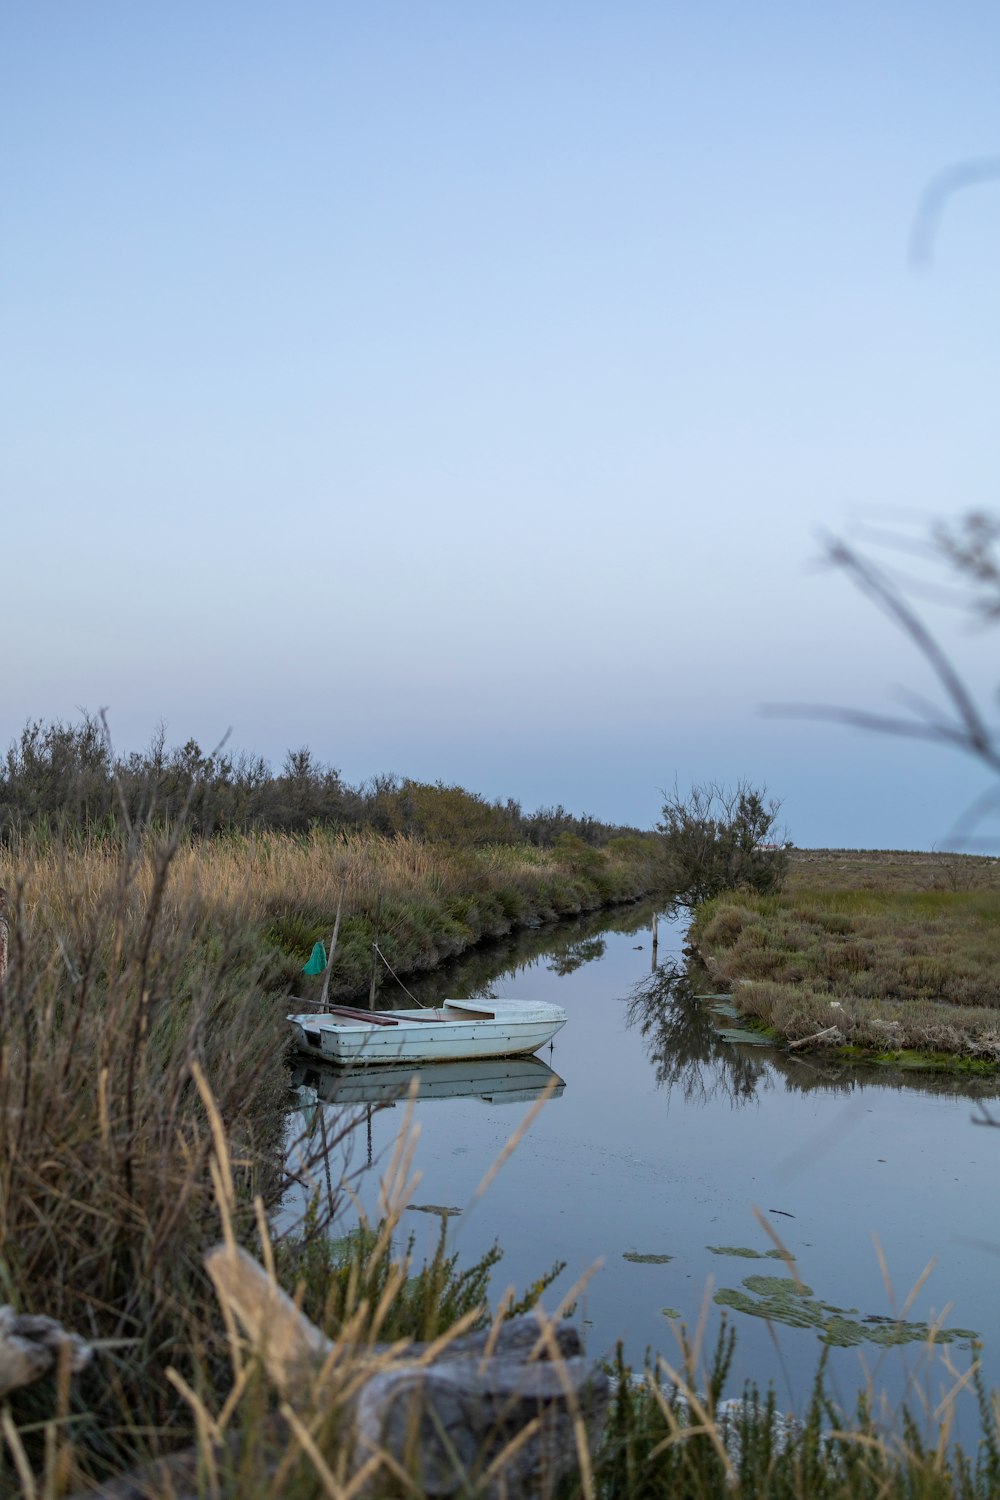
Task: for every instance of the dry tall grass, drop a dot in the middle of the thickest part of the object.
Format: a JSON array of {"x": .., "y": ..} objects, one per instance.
[
  {"x": 121, "y": 976},
  {"x": 273, "y": 896}
]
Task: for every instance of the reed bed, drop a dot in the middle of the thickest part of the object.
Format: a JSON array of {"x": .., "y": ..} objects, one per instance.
[
  {"x": 120, "y": 979},
  {"x": 274, "y": 895},
  {"x": 422, "y": 903}
]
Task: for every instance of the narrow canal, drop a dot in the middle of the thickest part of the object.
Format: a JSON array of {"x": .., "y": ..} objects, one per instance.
[{"x": 674, "y": 1164}]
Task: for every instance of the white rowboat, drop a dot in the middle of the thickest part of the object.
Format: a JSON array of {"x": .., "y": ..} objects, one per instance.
[{"x": 454, "y": 1029}]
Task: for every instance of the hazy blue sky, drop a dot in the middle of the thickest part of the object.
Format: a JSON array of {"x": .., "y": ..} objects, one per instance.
[{"x": 460, "y": 389}]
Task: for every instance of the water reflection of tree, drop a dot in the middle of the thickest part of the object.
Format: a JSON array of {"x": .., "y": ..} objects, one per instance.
[
  {"x": 687, "y": 1051},
  {"x": 576, "y": 955},
  {"x": 684, "y": 1046}
]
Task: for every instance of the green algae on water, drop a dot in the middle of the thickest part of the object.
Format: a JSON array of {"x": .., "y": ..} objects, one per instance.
[
  {"x": 776, "y": 1286},
  {"x": 670, "y": 1312},
  {"x": 746, "y": 1253},
  {"x": 729, "y": 1010},
  {"x": 780, "y": 1300},
  {"x": 744, "y": 1038},
  {"x": 645, "y": 1260}
]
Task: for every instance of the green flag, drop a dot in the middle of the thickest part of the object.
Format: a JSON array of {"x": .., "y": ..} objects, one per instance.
[{"x": 317, "y": 960}]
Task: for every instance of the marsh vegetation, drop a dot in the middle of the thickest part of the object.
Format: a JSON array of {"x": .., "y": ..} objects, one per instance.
[{"x": 892, "y": 956}]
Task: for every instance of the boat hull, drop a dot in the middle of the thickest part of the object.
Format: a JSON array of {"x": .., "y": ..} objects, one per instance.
[
  {"x": 500, "y": 1080},
  {"x": 457, "y": 1030}
]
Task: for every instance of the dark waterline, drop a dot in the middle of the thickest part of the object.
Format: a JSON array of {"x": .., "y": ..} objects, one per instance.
[{"x": 663, "y": 1142}]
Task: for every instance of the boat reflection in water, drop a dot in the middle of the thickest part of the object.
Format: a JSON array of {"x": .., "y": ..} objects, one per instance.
[{"x": 495, "y": 1080}]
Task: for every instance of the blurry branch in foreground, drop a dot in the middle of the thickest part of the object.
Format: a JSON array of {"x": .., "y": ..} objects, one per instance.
[
  {"x": 936, "y": 196},
  {"x": 969, "y": 547}
]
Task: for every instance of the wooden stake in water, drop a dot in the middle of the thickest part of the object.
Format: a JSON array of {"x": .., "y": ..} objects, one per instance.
[
  {"x": 656, "y": 936},
  {"x": 375, "y": 955},
  {"x": 325, "y": 995}
]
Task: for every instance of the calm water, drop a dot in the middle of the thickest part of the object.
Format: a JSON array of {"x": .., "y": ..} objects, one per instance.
[{"x": 662, "y": 1139}]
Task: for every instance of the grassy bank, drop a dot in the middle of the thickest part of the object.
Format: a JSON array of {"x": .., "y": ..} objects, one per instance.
[
  {"x": 269, "y": 897},
  {"x": 424, "y": 903},
  {"x": 890, "y": 955}
]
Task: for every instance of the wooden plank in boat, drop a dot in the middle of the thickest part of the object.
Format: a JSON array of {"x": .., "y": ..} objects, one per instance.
[
  {"x": 360, "y": 1015},
  {"x": 376, "y": 1017}
]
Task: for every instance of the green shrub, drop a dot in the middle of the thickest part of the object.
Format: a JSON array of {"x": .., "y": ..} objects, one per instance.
[{"x": 721, "y": 839}]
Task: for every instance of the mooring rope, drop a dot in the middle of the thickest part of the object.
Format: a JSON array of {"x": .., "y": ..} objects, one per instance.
[{"x": 396, "y": 977}]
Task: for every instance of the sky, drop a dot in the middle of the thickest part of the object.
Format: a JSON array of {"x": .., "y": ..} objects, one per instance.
[{"x": 466, "y": 390}]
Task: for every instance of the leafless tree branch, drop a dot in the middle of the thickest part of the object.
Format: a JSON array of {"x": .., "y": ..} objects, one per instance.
[{"x": 936, "y": 196}]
